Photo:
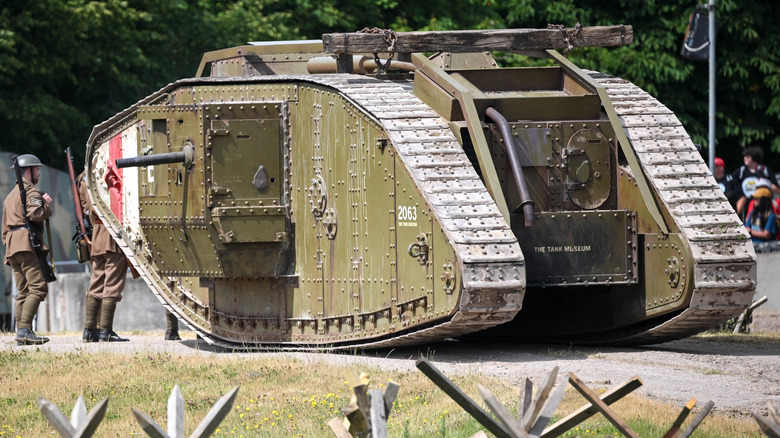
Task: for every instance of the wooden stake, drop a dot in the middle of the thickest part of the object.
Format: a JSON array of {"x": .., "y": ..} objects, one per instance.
[
  {"x": 501, "y": 412},
  {"x": 525, "y": 399},
  {"x": 675, "y": 429},
  {"x": 773, "y": 413},
  {"x": 216, "y": 414},
  {"x": 770, "y": 429},
  {"x": 80, "y": 425},
  {"x": 698, "y": 419},
  {"x": 79, "y": 414},
  {"x": 613, "y": 418},
  {"x": 391, "y": 393},
  {"x": 358, "y": 422},
  {"x": 378, "y": 417},
  {"x": 338, "y": 428},
  {"x": 462, "y": 399},
  {"x": 176, "y": 413},
  {"x": 93, "y": 420},
  {"x": 549, "y": 409},
  {"x": 587, "y": 411},
  {"x": 771, "y": 424},
  {"x": 149, "y": 426},
  {"x": 536, "y": 406}
]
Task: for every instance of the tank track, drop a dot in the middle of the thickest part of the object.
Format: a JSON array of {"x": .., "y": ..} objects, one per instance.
[
  {"x": 492, "y": 273},
  {"x": 492, "y": 263},
  {"x": 725, "y": 261}
]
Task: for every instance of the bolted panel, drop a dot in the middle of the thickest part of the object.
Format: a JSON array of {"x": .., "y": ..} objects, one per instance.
[
  {"x": 580, "y": 248},
  {"x": 170, "y": 198},
  {"x": 245, "y": 145}
]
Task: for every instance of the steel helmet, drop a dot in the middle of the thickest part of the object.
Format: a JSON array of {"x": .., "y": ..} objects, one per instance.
[{"x": 28, "y": 160}]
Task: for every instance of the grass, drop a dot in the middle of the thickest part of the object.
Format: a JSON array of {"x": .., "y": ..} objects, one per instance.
[
  {"x": 766, "y": 339},
  {"x": 278, "y": 397}
]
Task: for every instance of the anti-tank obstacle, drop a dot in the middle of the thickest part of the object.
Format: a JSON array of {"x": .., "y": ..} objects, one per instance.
[{"x": 534, "y": 413}]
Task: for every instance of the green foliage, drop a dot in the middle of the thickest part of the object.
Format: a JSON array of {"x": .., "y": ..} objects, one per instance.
[{"x": 66, "y": 65}]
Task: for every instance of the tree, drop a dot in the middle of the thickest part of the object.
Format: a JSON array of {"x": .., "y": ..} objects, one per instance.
[
  {"x": 66, "y": 65},
  {"x": 748, "y": 63}
]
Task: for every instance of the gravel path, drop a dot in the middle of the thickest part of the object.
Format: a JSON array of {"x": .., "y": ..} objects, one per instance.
[{"x": 738, "y": 377}]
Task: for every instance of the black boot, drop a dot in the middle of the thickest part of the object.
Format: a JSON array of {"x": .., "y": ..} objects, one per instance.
[
  {"x": 107, "y": 308},
  {"x": 172, "y": 331},
  {"x": 110, "y": 336},
  {"x": 90, "y": 335},
  {"x": 25, "y": 336},
  {"x": 172, "y": 335}
]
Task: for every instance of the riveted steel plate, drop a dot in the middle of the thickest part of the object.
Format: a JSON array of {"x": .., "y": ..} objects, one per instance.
[{"x": 579, "y": 248}]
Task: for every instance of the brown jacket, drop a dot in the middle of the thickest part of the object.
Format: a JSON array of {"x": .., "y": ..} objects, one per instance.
[
  {"x": 38, "y": 210},
  {"x": 102, "y": 242}
]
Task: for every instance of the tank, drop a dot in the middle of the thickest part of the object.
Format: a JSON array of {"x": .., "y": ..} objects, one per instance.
[{"x": 380, "y": 189}]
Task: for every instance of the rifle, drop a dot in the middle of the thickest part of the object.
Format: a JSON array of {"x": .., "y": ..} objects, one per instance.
[
  {"x": 48, "y": 270},
  {"x": 83, "y": 235}
]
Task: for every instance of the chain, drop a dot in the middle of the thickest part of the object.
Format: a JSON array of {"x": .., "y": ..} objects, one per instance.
[
  {"x": 390, "y": 38},
  {"x": 568, "y": 38}
]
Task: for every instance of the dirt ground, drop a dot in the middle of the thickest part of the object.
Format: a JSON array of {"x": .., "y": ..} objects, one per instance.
[{"x": 739, "y": 377}]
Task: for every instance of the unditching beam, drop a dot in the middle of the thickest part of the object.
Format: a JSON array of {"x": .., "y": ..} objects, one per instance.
[{"x": 471, "y": 41}]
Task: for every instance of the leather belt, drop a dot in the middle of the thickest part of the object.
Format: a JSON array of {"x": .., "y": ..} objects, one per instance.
[{"x": 18, "y": 227}]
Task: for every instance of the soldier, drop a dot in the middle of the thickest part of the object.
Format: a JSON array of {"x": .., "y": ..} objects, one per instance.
[
  {"x": 109, "y": 272},
  {"x": 19, "y": 253}
]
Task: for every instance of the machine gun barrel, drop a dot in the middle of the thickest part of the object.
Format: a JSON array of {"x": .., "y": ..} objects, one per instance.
[{"x": 152, "y": 160}]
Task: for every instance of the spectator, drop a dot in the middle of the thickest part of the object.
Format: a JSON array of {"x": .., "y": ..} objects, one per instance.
[
  {"x": 748, "y": 175},
  {"x": 761, "y": 223},
  {"x": 726, "y": 182}
]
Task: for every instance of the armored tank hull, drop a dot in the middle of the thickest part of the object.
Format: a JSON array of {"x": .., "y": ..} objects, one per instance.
[{"x": 301, "y": 195}]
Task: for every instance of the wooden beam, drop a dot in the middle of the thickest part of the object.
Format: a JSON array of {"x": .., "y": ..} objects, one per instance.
[
  {"x": 501, "y": 412},
  {"x": 525, "y": 399},
  {"x": 529, "y": 418},
  {"x": 215, "y": 415},
  {"x": 378, "y": 414},
  {"x": 338, "y": 429},
  {"x": 613, "y": 418},
  {"x": 149, "y": 426},
  {"x": 358, "y": 421},
  {"x": 391, "y": 393},
  {"x": 56, "y": 418},
  {"x": 462, "y": 399},
  {"x": 770, "y": 429},
  {"x": 466, "y": 41},
  {"x": 90, "y": 425},
  {"x": 176, "y": 412},
  {"x": 773, "y": 415},
  {"x": 587, "y": 411},
  {"x": 698, "y": 419},
  {"x": 549, "y": 409},
  {"x": 674, "y": 431}
]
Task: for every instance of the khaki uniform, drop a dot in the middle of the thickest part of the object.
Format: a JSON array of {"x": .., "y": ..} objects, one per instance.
[
  {"x": 27, "y": 269},
  {"x": 109, "y": 264}
]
